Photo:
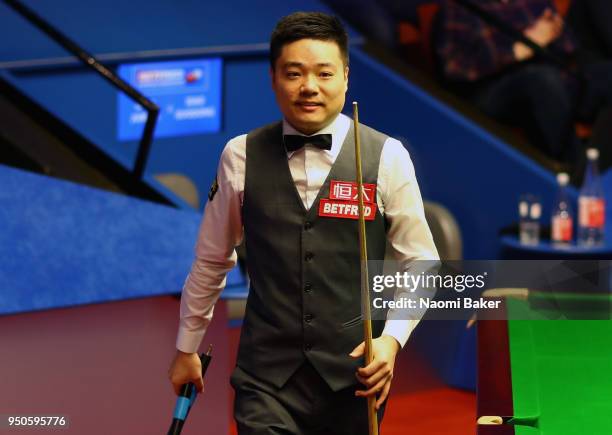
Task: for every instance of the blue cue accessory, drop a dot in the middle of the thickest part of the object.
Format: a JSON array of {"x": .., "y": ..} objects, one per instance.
[{"x": 187, "y": 398}]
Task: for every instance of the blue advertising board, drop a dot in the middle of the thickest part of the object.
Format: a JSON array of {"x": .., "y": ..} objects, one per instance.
[{"x": 188, "y": 94}]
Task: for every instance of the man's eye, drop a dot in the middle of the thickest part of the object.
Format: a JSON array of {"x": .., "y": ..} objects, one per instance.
[
  {"x": 292, "y": 74},
  {"x": 326, "y": 74}
]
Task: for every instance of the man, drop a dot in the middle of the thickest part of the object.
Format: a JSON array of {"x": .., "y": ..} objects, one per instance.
[
  {"x": 294, "y": 374},
  {"x": 508, "y": 82}
]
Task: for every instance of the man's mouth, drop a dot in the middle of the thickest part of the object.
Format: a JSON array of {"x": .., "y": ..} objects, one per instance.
[
  {"x": 309, "y": 103},
  {"x": 309, "y": 106}
]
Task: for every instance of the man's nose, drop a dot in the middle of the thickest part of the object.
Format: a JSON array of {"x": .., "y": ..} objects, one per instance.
[{"x": 310, "y": 85}]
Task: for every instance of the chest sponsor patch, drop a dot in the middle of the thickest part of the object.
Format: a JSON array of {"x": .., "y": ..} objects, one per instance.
[
  {"x": 347, "y": 191},
  {"x": 345, "y": 209}
]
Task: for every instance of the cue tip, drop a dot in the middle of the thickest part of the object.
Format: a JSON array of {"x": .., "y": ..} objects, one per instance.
[{"x": 517, "y": 293}]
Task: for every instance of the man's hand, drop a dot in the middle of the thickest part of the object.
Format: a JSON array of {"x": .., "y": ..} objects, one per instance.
[
  {"x": 543, "y": 31},
  {"x": 377, "y": 375},
  {"x": 185, "y": 368},
  {"x": 546, "y": 29}
]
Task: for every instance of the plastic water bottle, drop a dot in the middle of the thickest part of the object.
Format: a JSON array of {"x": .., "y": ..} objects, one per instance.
[
  {"x": 530, "y": 211},
  {"x": 591, "y": 204},
  {"x": 562, "y": 216}
]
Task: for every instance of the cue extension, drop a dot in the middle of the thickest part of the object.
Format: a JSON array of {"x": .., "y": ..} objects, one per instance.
[{"x": 187, "y": 397}]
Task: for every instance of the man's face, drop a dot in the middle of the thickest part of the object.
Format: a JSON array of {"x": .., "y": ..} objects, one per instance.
[{"x": 310, "y": 81}]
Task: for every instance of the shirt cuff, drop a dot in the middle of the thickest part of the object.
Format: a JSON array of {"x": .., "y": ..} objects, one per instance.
[
  {"x": 400, "y": 329},
  {"x": 189, "y": 341}
]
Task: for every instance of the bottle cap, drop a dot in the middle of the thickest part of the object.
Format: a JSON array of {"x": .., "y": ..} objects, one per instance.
[
  {"x": 562, "y": 178},
  {"x": 592, "y": 153}
]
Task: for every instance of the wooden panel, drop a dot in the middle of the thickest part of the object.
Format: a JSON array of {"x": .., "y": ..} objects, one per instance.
[{"x": 494, "y": 388}]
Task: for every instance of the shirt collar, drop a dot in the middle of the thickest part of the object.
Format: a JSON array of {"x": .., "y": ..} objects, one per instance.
[{"x": 337, "y": 128}]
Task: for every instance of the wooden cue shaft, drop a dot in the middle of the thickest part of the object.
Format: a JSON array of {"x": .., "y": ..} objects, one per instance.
[{"x": 365, "y": 283}]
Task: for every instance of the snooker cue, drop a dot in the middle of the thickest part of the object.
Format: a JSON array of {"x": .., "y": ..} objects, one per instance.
[
  {"x": 365, "y": 283},
  {"x": 497, "y": 420}
]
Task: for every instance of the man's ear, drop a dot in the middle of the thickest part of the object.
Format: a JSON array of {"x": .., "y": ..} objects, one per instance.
[{"x": 346, "y": 74}]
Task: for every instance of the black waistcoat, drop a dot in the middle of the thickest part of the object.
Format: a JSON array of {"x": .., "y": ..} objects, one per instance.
[{"x": 304, "y": 300}]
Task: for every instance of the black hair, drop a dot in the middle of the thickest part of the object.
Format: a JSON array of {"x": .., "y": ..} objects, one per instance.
[{"x": 308, "y": 25}]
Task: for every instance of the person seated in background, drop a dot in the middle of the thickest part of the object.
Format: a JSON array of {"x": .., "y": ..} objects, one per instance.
[{"x": 509, "y": 82}]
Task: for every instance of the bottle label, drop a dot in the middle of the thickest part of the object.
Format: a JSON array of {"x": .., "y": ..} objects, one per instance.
[
  {"x": 591, "y": 212},
  {"x": 561, "y": 229}
]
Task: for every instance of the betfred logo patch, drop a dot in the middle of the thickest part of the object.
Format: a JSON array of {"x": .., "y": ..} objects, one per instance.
[
  {"x": 345, "y": 209},
  {"x": 347, "y": 191}
]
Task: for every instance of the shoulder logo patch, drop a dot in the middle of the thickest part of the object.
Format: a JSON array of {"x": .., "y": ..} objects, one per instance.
[{"x": 213, "y": 189}]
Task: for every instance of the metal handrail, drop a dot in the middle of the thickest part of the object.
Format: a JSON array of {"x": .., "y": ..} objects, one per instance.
[{"x": 89, "y": 60}]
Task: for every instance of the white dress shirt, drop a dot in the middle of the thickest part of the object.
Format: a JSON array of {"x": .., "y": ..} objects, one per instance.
[{"x": 221, "y": 230}]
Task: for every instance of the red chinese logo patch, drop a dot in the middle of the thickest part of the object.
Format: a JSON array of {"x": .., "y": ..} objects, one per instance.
[
  {"x": 343, "y": 202},
  {"x": 347, "y": 191}
]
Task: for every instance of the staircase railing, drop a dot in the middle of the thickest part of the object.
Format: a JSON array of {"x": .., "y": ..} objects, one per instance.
[{"x": 90, "y": 61}]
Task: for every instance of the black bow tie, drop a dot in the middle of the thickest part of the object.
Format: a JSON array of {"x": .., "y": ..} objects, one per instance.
[{"x": 294, "y": 142}]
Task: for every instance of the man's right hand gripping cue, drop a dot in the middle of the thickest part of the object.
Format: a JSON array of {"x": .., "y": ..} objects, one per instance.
[{"x": 185, "y": 368}]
